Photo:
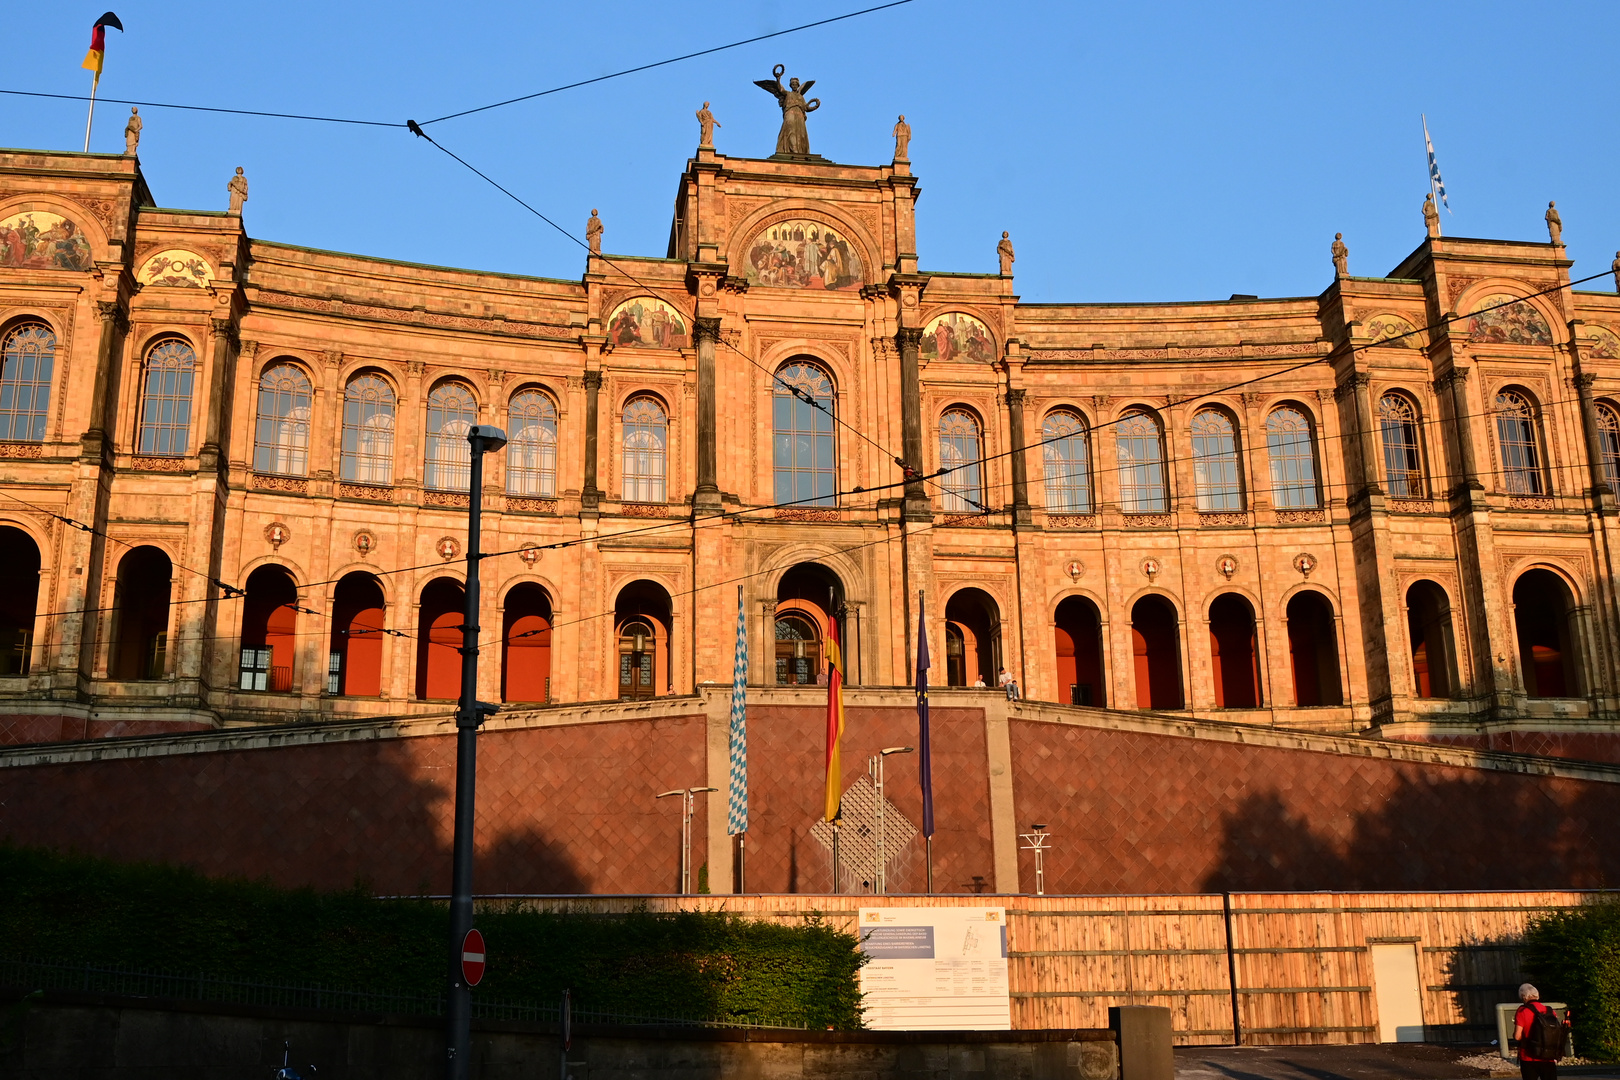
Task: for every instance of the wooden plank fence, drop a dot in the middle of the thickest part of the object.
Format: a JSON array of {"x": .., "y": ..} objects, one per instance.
[{"x": 1274, "y": 968}]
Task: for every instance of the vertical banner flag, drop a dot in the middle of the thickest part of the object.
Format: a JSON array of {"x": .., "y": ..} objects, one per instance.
[
  {"x": 835, "y": 718},
  {"x": 1437, "y": 185},
  {"x": 737, "y": 821},
  {"x": 925, "y": 760},
  {"x": 98, "y": 43}
]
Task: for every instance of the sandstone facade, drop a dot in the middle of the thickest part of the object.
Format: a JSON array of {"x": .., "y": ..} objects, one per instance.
[{"x": 1376, "y": 507}]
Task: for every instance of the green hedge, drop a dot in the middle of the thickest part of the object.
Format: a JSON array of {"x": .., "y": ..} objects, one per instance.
[
  {"x": 1574, "y": 956},
  {"x": 71, "y": 909}
]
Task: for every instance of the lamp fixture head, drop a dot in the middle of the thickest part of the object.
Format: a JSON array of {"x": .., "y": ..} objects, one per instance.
[{"x": 486, "y": 438}]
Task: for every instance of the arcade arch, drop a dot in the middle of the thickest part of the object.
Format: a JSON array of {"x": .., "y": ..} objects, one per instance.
[
  {"x": 1543, "y": 615},
  {"x": 1156, "y": 653}
]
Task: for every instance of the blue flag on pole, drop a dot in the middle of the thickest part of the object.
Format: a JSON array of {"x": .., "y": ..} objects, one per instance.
[
  {"x": 1435, "y": 183},
  {"x": 737, "y": 820},
  {"x": 925, "y": 760}
]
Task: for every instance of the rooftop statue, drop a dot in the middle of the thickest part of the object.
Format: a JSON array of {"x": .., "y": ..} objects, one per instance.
[
  {"x": 1341, "y": 255},
  {"x": 706, "y": 125},
  {"x": 1555, "y": 224},
  {"x": 794, "y": 138}
]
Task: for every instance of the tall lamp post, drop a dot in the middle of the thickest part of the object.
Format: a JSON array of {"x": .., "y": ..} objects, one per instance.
[
  {"x": 880, "y": 876},
  {"x": 470, "y": 712},
  {"x": 686, "y": 828},
  {"x": 1036, "y": 842}
]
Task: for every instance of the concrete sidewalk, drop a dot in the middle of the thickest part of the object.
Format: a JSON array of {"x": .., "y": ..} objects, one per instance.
[{"x": 1363, "y": 1061}]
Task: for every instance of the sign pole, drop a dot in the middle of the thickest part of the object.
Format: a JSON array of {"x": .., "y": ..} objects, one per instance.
[{"x": 470, "y": 712}]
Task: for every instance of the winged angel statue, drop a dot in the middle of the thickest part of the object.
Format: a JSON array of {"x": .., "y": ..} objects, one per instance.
[{"x": 794, "y": 138}]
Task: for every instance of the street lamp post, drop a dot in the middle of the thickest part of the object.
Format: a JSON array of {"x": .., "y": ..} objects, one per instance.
[
  {"x": 1036, "y": 842},
  {"x": 686, "y": 828},
  {"x": 470, "y": 712},
  {"x": 880, "y": 876}
]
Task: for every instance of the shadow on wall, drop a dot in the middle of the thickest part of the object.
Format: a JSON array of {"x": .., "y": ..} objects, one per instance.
[
  {"x": 1477, "y": 833},
  {"x": 377, "y": 813}
]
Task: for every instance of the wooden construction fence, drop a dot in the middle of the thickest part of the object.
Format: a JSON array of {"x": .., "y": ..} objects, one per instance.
[{"x": 1287, "y": 967}]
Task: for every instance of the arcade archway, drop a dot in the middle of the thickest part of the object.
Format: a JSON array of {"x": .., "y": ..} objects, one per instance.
[
  {"x": 1313, "y": 647},
  {"x": 438, "y": 640},
  {"x": 972, "y": 639},
  {"x": 1156, "y": 652},
  {"x": 1078, "y": 633},
  {"x": 642, "y": 617},
  {"x": 19, "y": 597},
  {"x": 1236, "y": 664},
  {"x": 1542, "y": 610},
  {"x": 526, "y": 644},
  {"x": 354, "y": 664},
  {"x": 1434, "y": 652}
]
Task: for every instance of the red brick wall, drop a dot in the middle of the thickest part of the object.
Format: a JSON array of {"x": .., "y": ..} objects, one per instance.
[
  {"x": 17, "y": 729},
  {"x": 1153, "y": 813},
  {"x": 787, "y": 763},
  {"x": 1579, "y": 745},
  {"x": 566, "y": 809}
]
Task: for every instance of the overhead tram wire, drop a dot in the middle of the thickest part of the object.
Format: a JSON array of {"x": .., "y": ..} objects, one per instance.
[
  {"x": 416, "y": 129},
  {"x": 273, "y": 115},
  {"x": 231, "y": 591},
  {"x": 671, "y": 60}
]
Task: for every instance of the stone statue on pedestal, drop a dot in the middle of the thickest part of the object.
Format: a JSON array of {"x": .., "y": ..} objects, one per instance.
[
  {"x": 1615, "y": 266},
  {"x": 706, "y": 125},
  {"x": 593, "y": 234},
  {"x": 1004, "y": 252},
  {"x": 794, "y": 138},
  {"x": 132, "y": 132},
  {"x": 238, "y": 189},
  {"x": 1555, "y": 224},
  {"x": 1341, "y": 256},
  {"x": 1431, "y": 215},
  {"x": 902, "y": 139}
]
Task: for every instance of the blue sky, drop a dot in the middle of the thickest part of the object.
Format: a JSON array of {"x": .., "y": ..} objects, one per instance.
[{"x": 1136, "y": 152}]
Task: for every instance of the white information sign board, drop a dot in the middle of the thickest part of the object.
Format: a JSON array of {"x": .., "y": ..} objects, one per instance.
[{"x": 935, "y": 968}]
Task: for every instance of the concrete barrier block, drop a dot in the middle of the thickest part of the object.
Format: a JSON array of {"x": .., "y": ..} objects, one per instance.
[{"x": 1143, "y": 1032}]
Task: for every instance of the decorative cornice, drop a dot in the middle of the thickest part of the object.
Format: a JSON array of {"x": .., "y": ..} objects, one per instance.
[{"x": 266, "y": 298}]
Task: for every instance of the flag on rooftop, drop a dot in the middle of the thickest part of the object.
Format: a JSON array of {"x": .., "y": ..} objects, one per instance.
[
  {"x": 737, "y": 821},
  {"x": 98, "y": 43},
  {"x": 1437, "y": 185}
]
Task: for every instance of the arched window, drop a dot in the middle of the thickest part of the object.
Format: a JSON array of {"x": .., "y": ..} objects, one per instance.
[
  {"x": 1215, "y": 461},
  {"x": 166, "y": 399},
  {"x": 804, "y": 463},
  {"x": 452, "y": 412},
  {"x": 28, "y": 355},
  {"x": 798, "y": 650},
  {"x": 961, "y": 451},
  {"x": 1141, "y": 465},
  {"x": 531, "y": 455},
  {"x": 368, "y": 431},
  {"x": 1068, "y": 463},
  {"x": 1609, "y": 442},
  {"x": 281, "y": 439},
  {"x": 1403, "y": 468},
  {"x": 1516, "y": 439},
  {"x": 646, "y": 442},
  {"x": 1293, "y": 460}
]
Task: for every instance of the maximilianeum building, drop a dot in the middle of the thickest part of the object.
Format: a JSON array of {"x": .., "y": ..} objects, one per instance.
[{"x": 1368, "y": 510}]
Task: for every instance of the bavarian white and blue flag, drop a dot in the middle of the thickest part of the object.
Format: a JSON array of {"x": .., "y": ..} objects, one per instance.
[
  {"x": 737, "y": 820},
  {"x": 1438, "y": 184}
]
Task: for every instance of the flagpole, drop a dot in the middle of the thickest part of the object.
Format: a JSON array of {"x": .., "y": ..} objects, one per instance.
[
  {"x": 1434, "y": 194},
  {"x": 91, "y": 118}
]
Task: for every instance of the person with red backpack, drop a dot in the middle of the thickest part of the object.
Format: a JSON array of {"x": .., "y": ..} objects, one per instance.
[{"x": 1542, "y": 1036}]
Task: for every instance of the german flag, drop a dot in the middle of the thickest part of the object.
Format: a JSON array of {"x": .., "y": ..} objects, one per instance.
[
  {"x": 835, "y": 719},
  {"x": 98, "y": 43}
]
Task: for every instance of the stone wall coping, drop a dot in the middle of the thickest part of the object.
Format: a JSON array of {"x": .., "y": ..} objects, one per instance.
[
  {"x": 638, "y": 1032},
  {"x": 713, "y": 699}
]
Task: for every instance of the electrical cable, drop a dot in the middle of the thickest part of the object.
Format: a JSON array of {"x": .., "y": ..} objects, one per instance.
[
  {"x": 664, "y": 63},
  {"x": 465, "y": 112}
]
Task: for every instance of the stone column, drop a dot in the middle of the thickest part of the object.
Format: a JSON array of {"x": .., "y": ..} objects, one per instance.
[
  {"x": 1600, "y": 491},
  {"x": 909, "y": 341},
  {"x": 114, "y": 324},
  {"x": 590, "y": 496},
  {"x": 1454, "y": 384},
  {"x": 220, "y": 381},
  {"x": 1020, "y": 468},
  {"x": 1358, "y": 385},
  {"x": 706, "y": 332}
]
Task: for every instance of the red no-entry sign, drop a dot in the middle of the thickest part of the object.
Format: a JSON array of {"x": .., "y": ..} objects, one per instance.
[{"x": 472, "y": 957}]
